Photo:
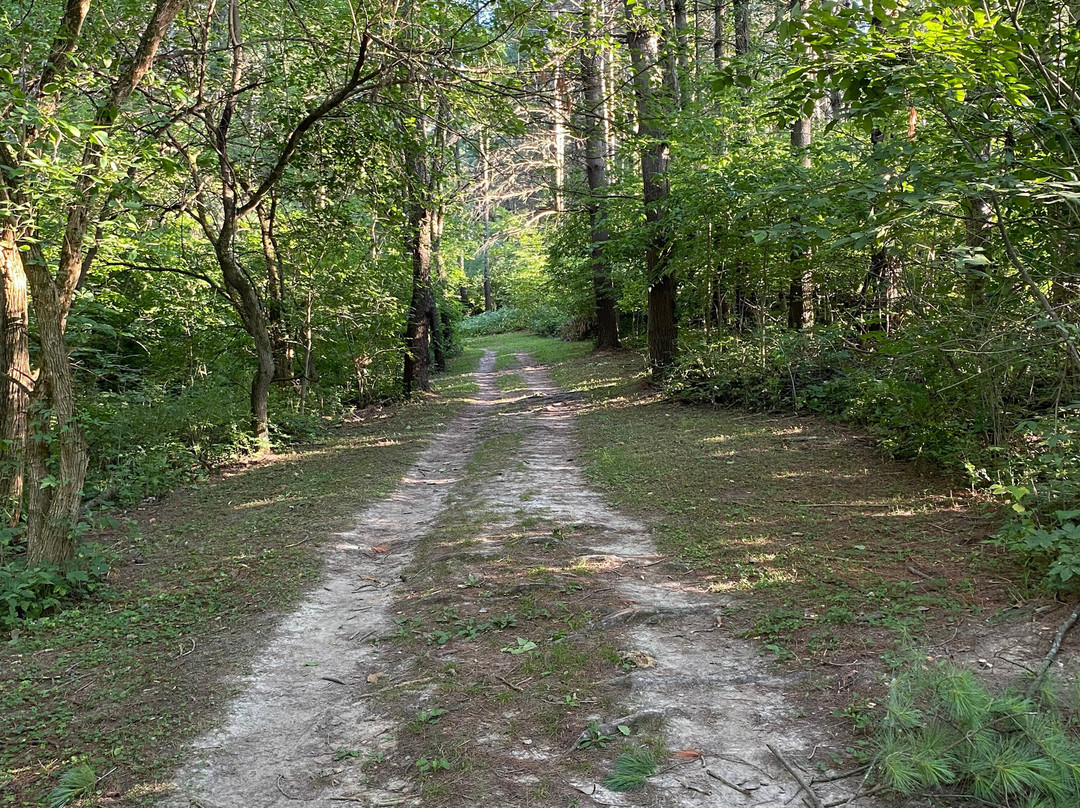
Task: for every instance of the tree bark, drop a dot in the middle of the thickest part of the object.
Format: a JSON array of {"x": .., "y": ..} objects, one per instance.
[
  {"x": 742, "y": 27},
  {"x": 417, "y": 369},
  {"x": 16, "y": 380},
  {"x": 284, "y": 356},
  {"x": 53, "y": 499},
  {"x": 650, "y": 93},
  {"x": 607, "y": 320},
  {"x": 719, "y": 47},
  {"x": 800, "y": 288}
]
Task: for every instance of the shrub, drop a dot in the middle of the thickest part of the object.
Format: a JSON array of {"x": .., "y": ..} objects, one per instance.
[
  {"x": 499, "y": 321},
  {"x": 28, "y": 592}
]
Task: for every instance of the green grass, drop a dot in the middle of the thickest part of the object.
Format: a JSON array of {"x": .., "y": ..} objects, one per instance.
[
  {"x": 124, "y": 680},
  {"x": 797, "y": 511},
  {"x": 542, "y": 349}
]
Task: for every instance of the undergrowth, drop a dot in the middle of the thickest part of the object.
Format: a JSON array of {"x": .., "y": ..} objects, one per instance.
[
  {"x": 924, "y": 394},
  {"x": 944, "y": 729}
]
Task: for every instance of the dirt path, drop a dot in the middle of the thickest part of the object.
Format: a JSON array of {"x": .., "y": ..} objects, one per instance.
[{"x": 473, "y": 627}]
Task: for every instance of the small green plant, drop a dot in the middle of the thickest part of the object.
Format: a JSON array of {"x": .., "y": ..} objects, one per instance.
[
  {"x": 342, "y": 753},
  {"x": 432, "y": 765},
  {"x": 76, "y": 783},
  {"x": 31, "y": 591},
  {"x": 523, "y": 647},
  {"x": 430, "y": 716},
  {"x": 633, "y": 768},
  {"x": 594, "y": 738}
]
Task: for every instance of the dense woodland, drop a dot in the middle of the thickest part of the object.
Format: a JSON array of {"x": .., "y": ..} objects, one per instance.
[{"x": 224, "y": 220}]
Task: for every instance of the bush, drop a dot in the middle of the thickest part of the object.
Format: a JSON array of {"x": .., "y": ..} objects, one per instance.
[
  {"x": 499, "y": 321},
  {"x": 28, "y": 592},
  {"x": 1041, "y": 484},
  {"x": 547, "y": 321}
]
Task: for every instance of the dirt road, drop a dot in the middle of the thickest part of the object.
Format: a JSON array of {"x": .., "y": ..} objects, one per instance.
[{"x": 494, "y": 633}]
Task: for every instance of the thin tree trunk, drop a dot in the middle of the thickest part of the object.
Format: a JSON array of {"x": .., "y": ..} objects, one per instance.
[
  {"x": 16, "y": 380},
  {"x": 607, "y": 320},
  {"x": 284, "y": 359},
  {"x": 719, "y": 47},
  {"x": 417, "y": 369},
  {"x": 648, "y": 91},
  {"x": 485, "y": 168},
  {"x": 800, "y": 288}
]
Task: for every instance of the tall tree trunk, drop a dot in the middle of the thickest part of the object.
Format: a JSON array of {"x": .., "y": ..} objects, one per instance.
[
  {"x": 681, "y": 69},
  {"x": 439, "y": 344},
  {"x": 800, "y": 288},
  {"x": 52, "y": 499},
  {"x": 560, "y": 108},
  {"x": 16, "y": 380},
  {"x": 485, "y": 180},
  {"x": 719, "y": 46},
  {"x": 978, "y": 228},
  {"x": 742, "y": 27},
  {"x": 53, "y": 492},
  {"x": 284, "y": 356},
  {"x": 650, "y": 95},
  {"x": 418, "y": 328},
  {"x": 417, "y": 369},
  {"x": 607, "y": 320}
]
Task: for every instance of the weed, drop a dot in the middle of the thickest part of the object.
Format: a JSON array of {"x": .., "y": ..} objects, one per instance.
[
  {"x": 523, "y": 646},
  {"x": 432, "y": 765},
  {"x": 430, "y": 716},
  {"x": 594, "y": 738}
]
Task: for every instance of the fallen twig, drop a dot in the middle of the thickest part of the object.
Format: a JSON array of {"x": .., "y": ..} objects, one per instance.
[
  {"x": 815, "y": 800},
  {"x": 333, "y": 679},
  {"x": 1048, "y": 660},
  {"x": 744, "y": 791},
  {"x": 841, "y": 776},
  {"x": 509, "y": 684},
  {"x": 855, "y": 796},
  {"x": 689, "y": 787}
]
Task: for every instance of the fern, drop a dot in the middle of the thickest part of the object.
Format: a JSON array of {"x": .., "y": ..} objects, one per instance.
[
  {"x": 633, "y": 768},
  {"x": 76, "y": 783}
]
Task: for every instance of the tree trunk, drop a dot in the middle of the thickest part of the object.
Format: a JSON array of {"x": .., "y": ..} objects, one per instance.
[
  {"x": 719, "y": 47},
  {"x": 284, "y": 356},
  {"x": 742, "y": 27},
  {"x": 978, "y": 227},
  {"x": 439, "y": 343},
  {"x": 16, "y": 380},
  {"x": 607, "y": 320},
  {"x": 800, "y": 289},
  {"x": 417, "y": 330},
  {"x": 52, "y": 500},
  {"x": 485, "y": 180},
  {"x": 422, "y": 225},
  {"x": 650, "y": 94},
  {"x": 560, "y": 117}
]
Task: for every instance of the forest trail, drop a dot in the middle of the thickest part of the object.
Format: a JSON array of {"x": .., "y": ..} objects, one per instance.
[{"x": 473, "y": 627}]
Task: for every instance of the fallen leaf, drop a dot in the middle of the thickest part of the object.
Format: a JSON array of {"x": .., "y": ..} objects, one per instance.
[
  {"x": 380, "y": 548},
  {"x": 372, "y": 678},
  {"x": 688, "y": 754}
]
